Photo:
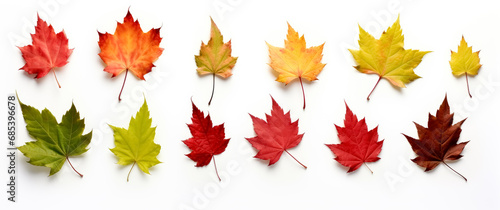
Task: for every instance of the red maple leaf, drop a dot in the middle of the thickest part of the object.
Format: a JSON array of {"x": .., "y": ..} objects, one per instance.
[
  {"x": 276, "y": 135},
  {"x": 207, "y": 140},
  {"x": 47, "y": 51},
  {"x": 438, "y": 142},
  {"x": 357, "y": 144}
]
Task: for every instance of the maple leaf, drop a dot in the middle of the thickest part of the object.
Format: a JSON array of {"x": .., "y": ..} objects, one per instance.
[
  {"x": 48, "y": 51},
  {"x": 357, "y": 144},
  {"x": 136, "y": 145},
  {"x": 130, "y": 49},
  {"x": 295, "y": 60},
  {"x": 386, "y": 57},
  {"x": 54, "y": 142},
  {"x": 215, "y": 57},
  {"x": 438, "y": 142},
  {"x": 464, "y": 61},
  {"x": 207, "y": 140},
  {"x": 275, "y": 136}
]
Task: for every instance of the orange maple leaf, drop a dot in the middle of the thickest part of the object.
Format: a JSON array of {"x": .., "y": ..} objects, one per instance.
[
  {"x": 295, "y": 60},
  {"x": 129, "y": 48}
]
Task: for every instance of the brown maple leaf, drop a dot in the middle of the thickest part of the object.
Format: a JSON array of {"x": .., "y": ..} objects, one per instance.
[{"x": 438, "y": 142}]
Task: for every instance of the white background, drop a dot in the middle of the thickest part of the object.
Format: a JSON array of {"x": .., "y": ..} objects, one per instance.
[{"x": 397, "y": 183}]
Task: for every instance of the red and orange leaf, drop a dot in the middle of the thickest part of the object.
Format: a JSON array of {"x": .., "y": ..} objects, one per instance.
[
  {"x": 207, "y": 140},
  {"x": 438, "y": 142},
  {"x": 130, "y": 49},
  {"x": 48, "y": 50},
  {"x": 295, "y": 60},
  {"x": 275, "y": 136},
  {"x": 357, "y": 145}
]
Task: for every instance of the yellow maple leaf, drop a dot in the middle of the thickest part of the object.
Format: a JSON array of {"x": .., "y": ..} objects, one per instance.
[
  {"x": 464, "y": 61},
  {"x": 387, "y": 57},
  {"x": 215, "y": 57},
  {"x": 295, "y": 60}
]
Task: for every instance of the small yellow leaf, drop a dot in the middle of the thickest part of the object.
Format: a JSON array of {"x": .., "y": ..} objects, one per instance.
[{"x": 464, "y": 60}]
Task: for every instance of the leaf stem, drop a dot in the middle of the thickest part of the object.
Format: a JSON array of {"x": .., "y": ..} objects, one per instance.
[
  {"x": 296, "y": 159},
  {"x": 303, "y": 93},
  {"x": 130, "y": 170},
  {"x": 120, "y": 95},
  {"x": 368, "y": 98},
  {"x": 368, "y": 167},
  {"x": 454, "y": 171},
  {"x": 81, "y": 175},
  {"x": 213, "y": 89},
  {"x": 216, "y": 172},
  {"x": 56, "y": 78},
  {"x": 467, "y": 79}
]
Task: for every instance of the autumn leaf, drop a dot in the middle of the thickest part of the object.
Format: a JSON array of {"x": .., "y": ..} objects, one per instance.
[
  {"x": 207, "y": 140},
  {"x": 136, "y": 145},
  {"x": 48, "y": 51},
  {"x": 130, "y": 49},
  {"x": 295, "y": 60},
  {"x": 54, "y": 142},
  {"x": 387, "y": 57},
  {"x": 438, "y": 142},
  {"x": 215, "y": 57},
  {"x": 275, "y": 136},
  {"x": 357, "y": 145},
  {"x": 464, "y": 61}
]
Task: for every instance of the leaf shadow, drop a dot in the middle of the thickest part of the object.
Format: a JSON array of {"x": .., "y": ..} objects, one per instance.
[
  {"x": 33, "y": 169},
  {"x": 343, "y": 168},
  {"x": 105, "y": 74},
  {"x": 33, "y": 76},
  {"x": 264, "y": 162}
]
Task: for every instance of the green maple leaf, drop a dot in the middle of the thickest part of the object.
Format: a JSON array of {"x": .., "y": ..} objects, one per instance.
[
  {"x": 136, "y": 145},
  {"x": 55, "y": 143}
]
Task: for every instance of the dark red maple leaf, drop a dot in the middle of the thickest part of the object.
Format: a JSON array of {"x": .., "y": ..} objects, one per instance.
[
  {"x": 276, "y": 135},
  {"x": 207, "y": 140},
  {"x": 438, "y": 142},
  {"x": 357, "y": 144},
  {"x": 48, "y": 51}
]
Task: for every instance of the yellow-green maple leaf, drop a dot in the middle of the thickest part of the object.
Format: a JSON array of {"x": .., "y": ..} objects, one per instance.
[
  {"x": 295, "y": 60},
  {"x": 387, "y": 57},
  {"x": 464, "y": 61},
  {"x": 215, "y": 57},
  {"x": 136, "y": 145}
]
